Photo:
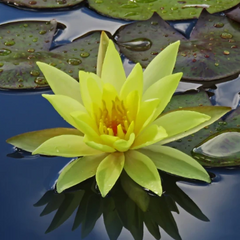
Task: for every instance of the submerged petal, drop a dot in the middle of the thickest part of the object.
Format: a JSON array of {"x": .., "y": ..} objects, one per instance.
[
  {"x": 60, "y": 82},
  {"x": 176, "y": 162},
  {"x": 143, "y": 171},
  {"x": 112, "y": 69},
  {"x": 65, "y": 146},
  {"x": 161, "y": 66},
  {"x": 65, "y": 106},
  {"x": 78, "y": 170},
  {"x": 163, "y": 89},
  {"x": 109, "y": 171}
]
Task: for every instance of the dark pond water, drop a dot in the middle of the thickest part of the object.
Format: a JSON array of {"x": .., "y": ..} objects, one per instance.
[{"x": 25, "y": 180}]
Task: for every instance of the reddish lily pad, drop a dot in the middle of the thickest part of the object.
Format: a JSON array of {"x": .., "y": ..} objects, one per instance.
[
  {"x": 24, "y": 43},
  {"x": 211, "y": 53},
  {"x": 44, "y": 3},
  {"x": 167, "y": 9}
]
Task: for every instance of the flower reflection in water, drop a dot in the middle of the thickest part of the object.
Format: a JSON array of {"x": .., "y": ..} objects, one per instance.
[{"x": 127, "y": 206}]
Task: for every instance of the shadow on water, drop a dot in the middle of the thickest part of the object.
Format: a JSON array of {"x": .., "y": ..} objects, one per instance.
[{"x": 127, "y": 206}]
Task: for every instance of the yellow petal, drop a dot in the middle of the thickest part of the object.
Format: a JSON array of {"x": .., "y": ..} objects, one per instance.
[
  {"x": 109, "y": 140},
  {"x": 104, "y": 40},
  {"x": 146, "y": 113},
  {"x": 134, "y": 82},
  {"x": 112, "y": 69},
  {"x": 130, "y": 130},
  {"x": 64, "y": 106},
  {"x": 143, "y": 171},
  {"x": 78, "y": 170},
  {"x": 60, "y": 82},
  {"x": 95, "y": 92},
  {"x": 161, "y": 66},
  {"x": 65, "y": 146},
  {"x": 163, "y": 89},
  {"x": 176, "y": 162},
  {"x": 109, "y": 171},
  {"x": 150, "y": 135},
  {"x": 132, "y": 105},
  {"x": 123, "y": 145},
  {"x": 180, "y": 121},
  {"x": 86, "y": 125},
  {"x": 99, "y": 146}
]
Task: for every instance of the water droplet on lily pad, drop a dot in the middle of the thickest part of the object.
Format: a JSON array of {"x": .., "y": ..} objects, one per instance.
[
  {"x": 218, "y": 25},
  {"x": 226, "y": 35},
  {"x": 221, "y": 149},
  {"x": 74, "y": 61},
  {"x": 85, "y": 54},
  {"x": 40, "y": 81},
  {"x": 140, "y": 44},
  {"x": 9, "y": 43},
  {"x": 4, "y": 52},
  {"x": 35, "y": 73}
]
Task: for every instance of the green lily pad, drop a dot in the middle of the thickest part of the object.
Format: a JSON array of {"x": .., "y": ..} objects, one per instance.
[
  {"x": 167, "y": 9},
  {"x": 24, "y": 43},
  {"x": 195, "y": 141},
  {"x": 234, "y": 14},
  {"x": 44, "y": 3},
  {"x": 211, "y": 53},
  {"x": 220, "y": 149}
]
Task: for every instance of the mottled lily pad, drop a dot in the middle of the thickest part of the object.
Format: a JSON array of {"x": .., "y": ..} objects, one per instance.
[
  {"x": 234, "y": 14},
  {"x": 167, "y": 9},
  {"x": 24, "y": 43},
  {"x": 44, "y": 3},
  {"x": 211, "y": 53},
  {"x": 187, "y": 144}
]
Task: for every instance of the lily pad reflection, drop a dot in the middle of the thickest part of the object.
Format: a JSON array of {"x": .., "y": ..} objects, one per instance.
[{"x": 119, "y": 210}]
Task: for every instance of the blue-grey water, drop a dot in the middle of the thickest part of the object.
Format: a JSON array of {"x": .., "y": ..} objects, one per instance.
[{"x": 23, "y": 181}]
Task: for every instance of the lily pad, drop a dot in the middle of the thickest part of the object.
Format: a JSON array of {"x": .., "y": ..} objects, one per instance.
[
  {"x": 211, "y": 53},
  {"x": 44, "y": 3},
  {"x": 167, "y": 9},
  {"x": 234, "y": 14},
  {"x": 196, "y": 140},
  {"x": 24, "y": 43}
]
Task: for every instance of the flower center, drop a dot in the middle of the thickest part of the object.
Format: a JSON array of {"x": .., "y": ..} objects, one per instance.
[{"x": 113, "y": 118}]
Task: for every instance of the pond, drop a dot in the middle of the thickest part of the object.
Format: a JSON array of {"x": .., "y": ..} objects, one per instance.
[{"x": 205, "y": 211}]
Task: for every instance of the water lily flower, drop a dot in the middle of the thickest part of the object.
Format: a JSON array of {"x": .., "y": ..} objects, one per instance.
[{"x": 119, "y": 122}]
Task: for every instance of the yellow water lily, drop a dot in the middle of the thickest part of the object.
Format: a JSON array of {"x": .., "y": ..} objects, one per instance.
[{"x": 119, "y": 123}]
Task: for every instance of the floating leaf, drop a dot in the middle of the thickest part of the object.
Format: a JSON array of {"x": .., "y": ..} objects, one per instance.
[
  {"x": 219, "y": 128},
  {"x": 44, "y": 3},
  {"x": 31, "y": 140},
  {"x": 24, "y": 43},
  {"x": 220, "y": 149},
  {"x": 211, "y": 53},
  {"x": 167, "y": 9}
]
